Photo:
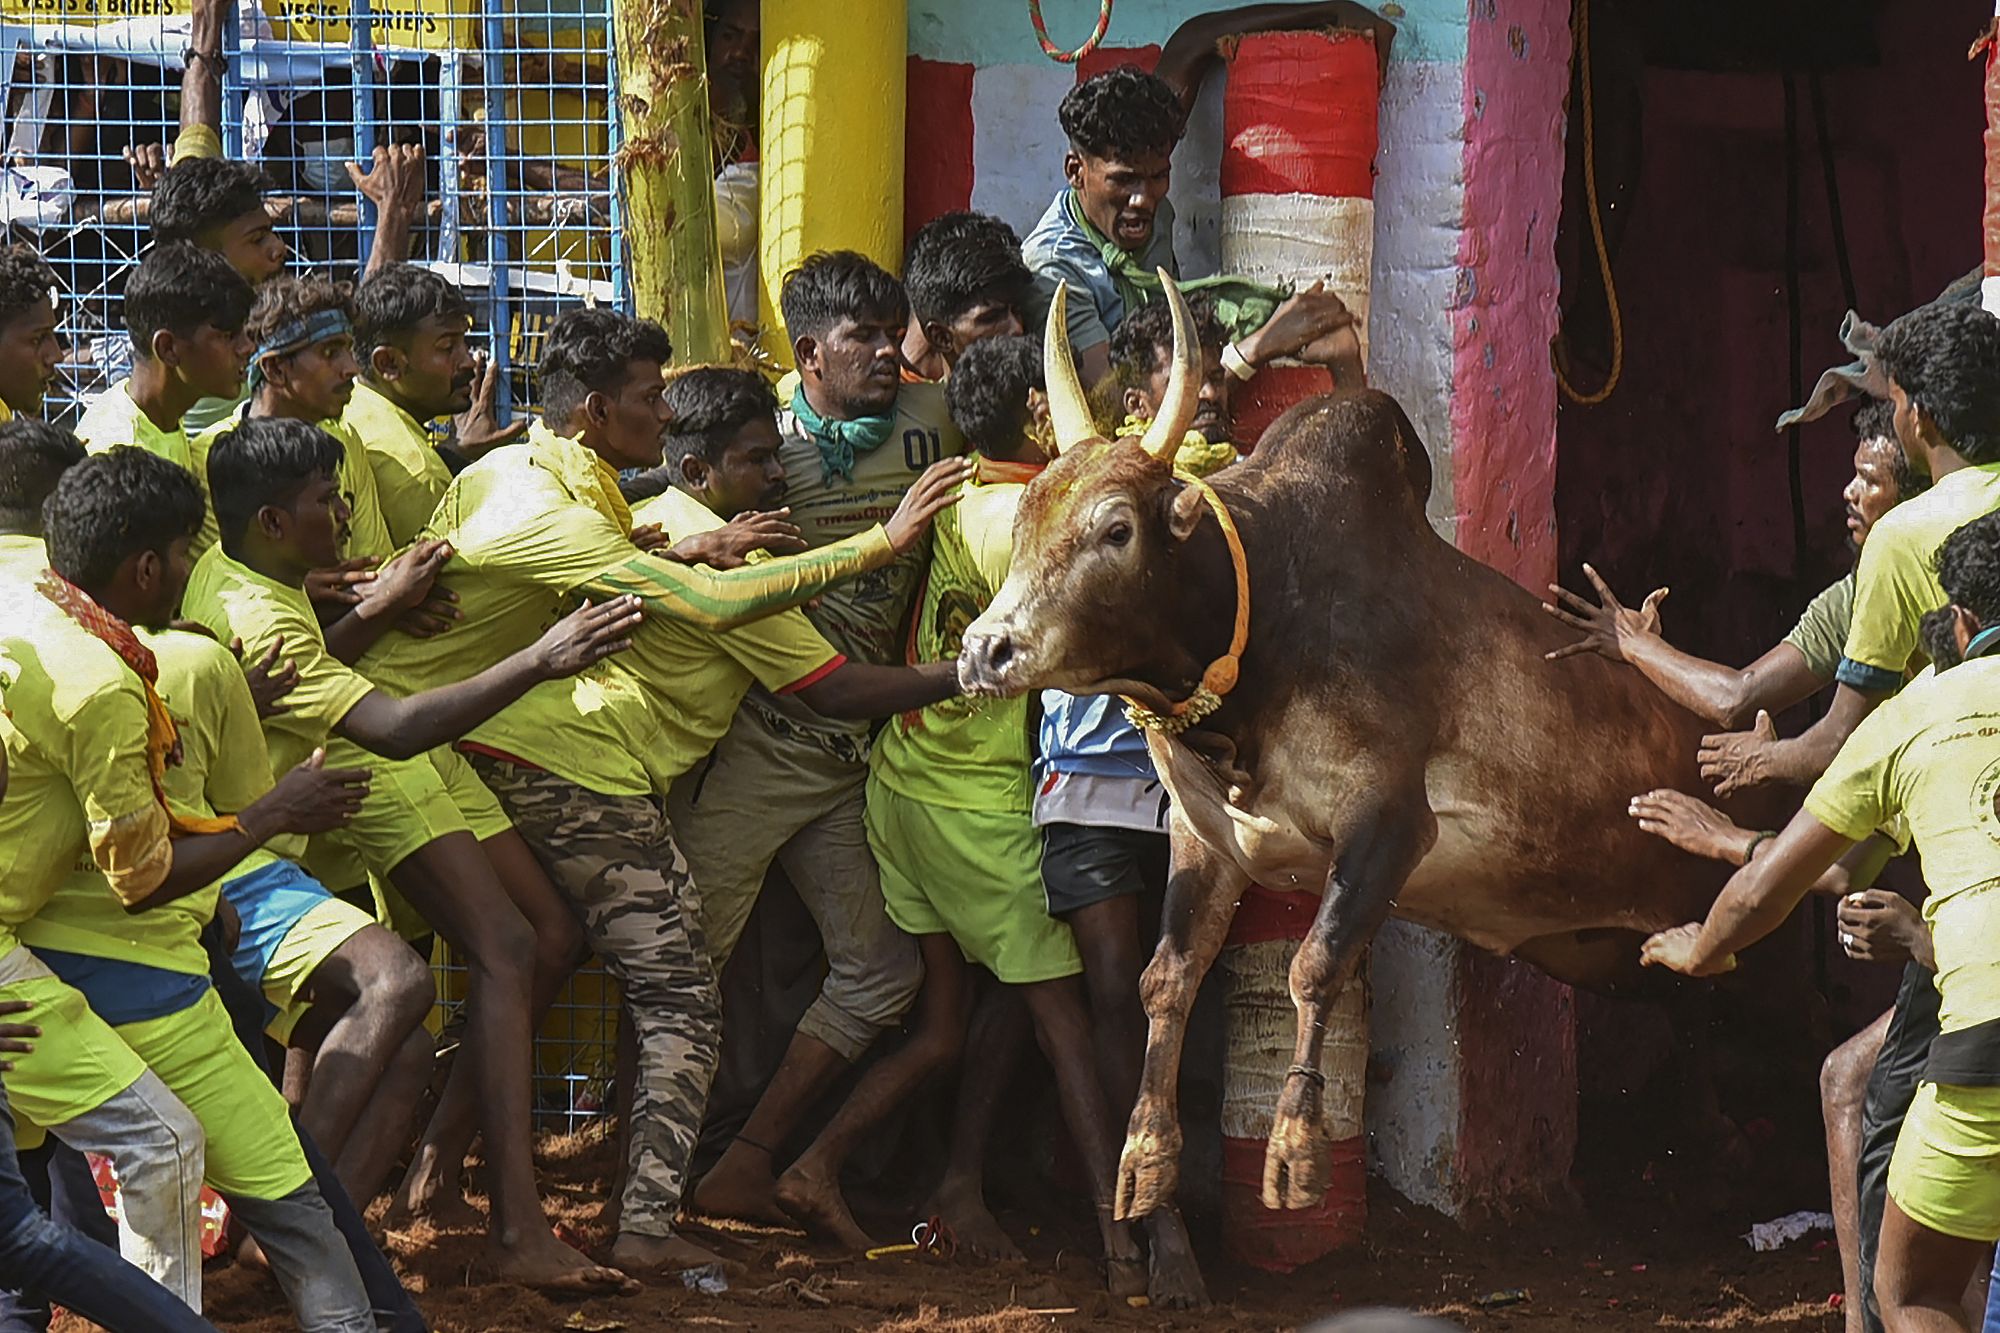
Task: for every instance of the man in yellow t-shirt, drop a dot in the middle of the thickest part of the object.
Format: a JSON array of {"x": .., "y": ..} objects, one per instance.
[
  {"x": 1926, "y": 763},
  {"x": 531, "y": 526},
  {"x": 410, "y": 330},
  {"x": 29, "y": 348},
  {"x": 302, "y": 367},
  {"x": 367, "y": 1006},
  {"x": 1943, "y": 366},
  {"x": 118, "y": 531},
  {"x": 428, "y": 825},
  {"x": 185, "y": 309},
  {"x": 950, "y": 821}
]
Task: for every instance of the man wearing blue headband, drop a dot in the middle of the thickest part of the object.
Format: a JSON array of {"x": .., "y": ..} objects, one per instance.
[{"x": 303, "y": 368}]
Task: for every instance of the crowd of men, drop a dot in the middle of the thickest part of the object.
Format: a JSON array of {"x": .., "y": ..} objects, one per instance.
[
  {"x": 1902, "y": 758},
  {"x": 307, "y": 661}
]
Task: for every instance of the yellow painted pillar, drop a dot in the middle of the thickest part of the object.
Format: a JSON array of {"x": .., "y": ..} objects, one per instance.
[
  {"x": 830, "y": 139},
  {"x": 669, "y": 178}
]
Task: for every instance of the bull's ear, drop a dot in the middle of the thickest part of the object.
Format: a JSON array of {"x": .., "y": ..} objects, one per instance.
[{"x": 1185, "y": 515}]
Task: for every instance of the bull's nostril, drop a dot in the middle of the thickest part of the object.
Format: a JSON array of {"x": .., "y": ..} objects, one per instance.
[{"x": 999, "y": 652}]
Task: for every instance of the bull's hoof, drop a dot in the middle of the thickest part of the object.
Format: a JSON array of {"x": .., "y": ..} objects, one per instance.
[
  {"x": 1148, "y": 1172},
  {"x": 1297, "y": 1162}
]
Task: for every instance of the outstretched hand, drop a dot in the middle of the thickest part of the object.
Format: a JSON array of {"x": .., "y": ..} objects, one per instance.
[
  {"x": 587, "y": 636},
  {"x": 1691, "y": 825},
  {"x": 148, "y": 162},
  {"x": 477, "y": 430},
  {"x": 1609, "y": 628},
  {"x": 1739, "y": 760},
  {"x": 340, "y": 585},
  {"x": 1878, "y": 926},
  {"x": 1305, "y": 320},
  {"x": 270, "y": 679},
  {"x": 16, "y": 1038},
  {"x": 730, "y": 545},
  {"x": 394, "y": 181},
  {"x": 404, "y": 582},
  {"x": 935, "y": 491},
  {"x": 311, "y": 798}
]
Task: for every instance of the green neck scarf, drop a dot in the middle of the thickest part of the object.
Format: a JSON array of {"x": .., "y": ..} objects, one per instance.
[
  {"x": 838, "y": 441},
  {"x": 1241, "y": 305}
]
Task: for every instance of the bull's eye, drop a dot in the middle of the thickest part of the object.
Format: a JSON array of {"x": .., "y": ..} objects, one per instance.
[{"x": 1118, "y": 533}]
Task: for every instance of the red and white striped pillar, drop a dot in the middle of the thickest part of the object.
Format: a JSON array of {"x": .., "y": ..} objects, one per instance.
[
  {"x": 1260, "y": 1029},
  {"x": 1298, "y": 183},
  {"x": 1299, "y": 135}
]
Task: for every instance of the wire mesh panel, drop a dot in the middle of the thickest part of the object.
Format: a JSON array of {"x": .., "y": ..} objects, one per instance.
[{"x": 509, "y": 100}]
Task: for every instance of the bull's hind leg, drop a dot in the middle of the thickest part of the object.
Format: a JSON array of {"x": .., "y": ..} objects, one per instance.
[
  {"x": 1360, "y": 890},
  {"x": 1203, "y": 889}
]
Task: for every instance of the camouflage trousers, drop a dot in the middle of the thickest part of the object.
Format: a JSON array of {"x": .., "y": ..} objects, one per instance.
[{"x": 614, "y": 858}]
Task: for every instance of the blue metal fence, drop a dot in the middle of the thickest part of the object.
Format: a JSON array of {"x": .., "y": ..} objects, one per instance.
[{"x": 511, "y": 101}]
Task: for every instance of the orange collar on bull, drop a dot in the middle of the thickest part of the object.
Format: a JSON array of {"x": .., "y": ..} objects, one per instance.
[{"x": 1220, "y": 677}]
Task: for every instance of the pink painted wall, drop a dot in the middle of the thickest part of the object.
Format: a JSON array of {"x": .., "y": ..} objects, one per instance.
[
  {"x": 1516, "y": 1030},
  {"x": 1504, "y": 398}
]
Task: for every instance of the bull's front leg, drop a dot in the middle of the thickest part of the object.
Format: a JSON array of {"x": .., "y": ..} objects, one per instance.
[
  {"x": 1203, "y": 889},
  {"x": 1360, "y": 890}
]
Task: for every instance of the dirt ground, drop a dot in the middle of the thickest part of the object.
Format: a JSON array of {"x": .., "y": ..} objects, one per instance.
[{"x": 1539, "y": 1272}]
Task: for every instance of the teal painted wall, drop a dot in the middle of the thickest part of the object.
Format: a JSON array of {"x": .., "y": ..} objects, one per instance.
[{"x": 995, "y": 32}]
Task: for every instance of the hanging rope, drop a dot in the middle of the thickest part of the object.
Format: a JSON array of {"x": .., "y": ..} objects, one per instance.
[
  {"x": 1580, "y": 37},
  {"x": 1056, "y": 53}
]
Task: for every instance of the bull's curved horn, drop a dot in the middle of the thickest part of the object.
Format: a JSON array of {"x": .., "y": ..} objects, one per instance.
[
  {"x": 1069, "y": 410},
  {"x": 1177, "y": 407}
]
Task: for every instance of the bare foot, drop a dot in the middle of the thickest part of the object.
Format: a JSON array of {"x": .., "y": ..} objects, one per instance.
[
  {"x": 426, "y": 1192},
  {"x": 740, "y": 1186},
  {"x": 817, "y": 1204},
  {"x": 978, "y": 1234},
  {"x": 664, "y": 1254},
  {"x": 542, "y": 1262},
  {"x": 1173, "y": 1276}
]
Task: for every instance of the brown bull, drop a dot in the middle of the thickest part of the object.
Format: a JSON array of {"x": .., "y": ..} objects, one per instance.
[{"x": 1396, "y": 741}]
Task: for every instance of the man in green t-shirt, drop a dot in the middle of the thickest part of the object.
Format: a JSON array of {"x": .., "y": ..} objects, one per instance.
[
  {"x": 723, "y": 450},
  {"x": 30, "y": 351},
  {"x": 118, "y": 527},
  {"x": 950, "y": 820},
  {"x": 425, "y": 825},
  {"x": 1943, "y": 367},
  {"x": 185, "y": 309},
  {"x": 1924, "y": 763},
  {"x": 410, "y": 328},
  {"x": 302, "y": 367}
]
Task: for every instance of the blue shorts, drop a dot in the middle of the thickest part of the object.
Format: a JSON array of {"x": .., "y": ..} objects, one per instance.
[{"x": 270, "y": 900}]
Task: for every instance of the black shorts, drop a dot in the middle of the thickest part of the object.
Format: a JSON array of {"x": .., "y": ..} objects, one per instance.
[
  {"x": 1083, "y": 864},
  {"x": 1906, "y": 1046}
]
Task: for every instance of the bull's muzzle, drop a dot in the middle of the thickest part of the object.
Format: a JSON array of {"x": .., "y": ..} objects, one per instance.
[{"x": 986, "y": 661}]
